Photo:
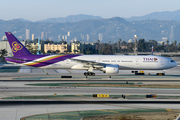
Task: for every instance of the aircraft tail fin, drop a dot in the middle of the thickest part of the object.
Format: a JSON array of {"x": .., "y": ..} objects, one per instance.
[
  {"x": 17, "y": 47},
  {"x": 152, "y": 51}
]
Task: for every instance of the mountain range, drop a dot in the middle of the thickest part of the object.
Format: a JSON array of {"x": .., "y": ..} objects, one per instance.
[
  {"x": 82, "y": 25},
  {"x": 70, "y": 19},
  {"x": 165, "y": 15}
]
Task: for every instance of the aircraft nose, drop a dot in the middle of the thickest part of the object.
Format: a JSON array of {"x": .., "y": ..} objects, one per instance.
[{"x": 176, "y": 64}]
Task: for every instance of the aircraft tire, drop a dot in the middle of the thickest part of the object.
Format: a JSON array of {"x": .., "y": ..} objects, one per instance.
[
  {"x": 89, "y": 74},
  {"x": 93, "y": 74},
  {"x": 85, "y": 73}
]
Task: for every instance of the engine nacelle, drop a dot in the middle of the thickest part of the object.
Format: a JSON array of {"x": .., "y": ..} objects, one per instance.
[{"x": 111, "y": 69}]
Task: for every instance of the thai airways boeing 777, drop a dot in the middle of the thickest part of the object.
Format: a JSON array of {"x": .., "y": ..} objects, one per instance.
[{"x": 110, "y": 64}]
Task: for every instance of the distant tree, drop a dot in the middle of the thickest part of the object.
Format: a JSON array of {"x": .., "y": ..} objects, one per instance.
[
  {"x": 75, "y": 51},
  {"x": 29, "y": 47},
  {"x": 115, "y": 48},
  {"x": 35, "y": 40},
  {"x": 175, "y": 42},
  {"x": 167, "y": 42},
  {"x": 119, "y": 44},
  {"x": 107, "y": 50},
  {"x": 78, "y": 48},
  {"x": 97, "y": 46},
  {"x": 57, "y": 51},
  {"x": 69, "y": 47},
  {"x": 98, "y": 41},
  {"x": 3, "y": 52},
  {"x": 123, "y": 43},
  {"x": 54, "y": 52},
  {"x": 66, "y": 51},
  {"x": 171, "y": 48},
  {"x": 49, "y": 51},
  {"x": 130, "y": 47},
  {"x": 163, "y": 43},
  {"x": 141, "y": 45}
]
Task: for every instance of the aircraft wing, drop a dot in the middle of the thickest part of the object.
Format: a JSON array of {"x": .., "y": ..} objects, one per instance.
[{"x": 87, "y": 63}]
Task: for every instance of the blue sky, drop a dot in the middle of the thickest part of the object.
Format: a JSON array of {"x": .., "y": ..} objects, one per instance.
[{"x": 41, "y": 9}]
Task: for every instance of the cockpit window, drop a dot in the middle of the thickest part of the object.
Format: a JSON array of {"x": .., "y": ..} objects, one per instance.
[{"x": 172, "y": 60}]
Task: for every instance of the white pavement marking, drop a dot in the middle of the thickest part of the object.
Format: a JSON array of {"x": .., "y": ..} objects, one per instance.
[{"x": 25, "y": 69}]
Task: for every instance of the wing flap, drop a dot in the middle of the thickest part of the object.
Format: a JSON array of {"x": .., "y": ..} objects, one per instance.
[{"x": 89, "y": 64}]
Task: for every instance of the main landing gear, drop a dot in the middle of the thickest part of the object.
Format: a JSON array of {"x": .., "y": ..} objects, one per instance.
[
  {"x": 89, "y": 74},
  {"x": 163, "y": 73}
]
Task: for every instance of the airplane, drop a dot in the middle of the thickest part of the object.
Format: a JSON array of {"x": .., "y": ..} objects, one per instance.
[{"x": 110, "y": 64}]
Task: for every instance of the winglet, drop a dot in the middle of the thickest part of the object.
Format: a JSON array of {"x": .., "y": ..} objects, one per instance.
[
  {"x": 17, "y": 47},
  {"x": 152, "y": 51}
]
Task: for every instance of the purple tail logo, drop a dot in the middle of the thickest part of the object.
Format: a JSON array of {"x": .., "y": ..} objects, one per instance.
[{"x": 16, "y": 46}]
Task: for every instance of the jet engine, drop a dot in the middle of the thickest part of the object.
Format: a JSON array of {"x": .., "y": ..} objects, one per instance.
[{"x": 111, "y": 69}]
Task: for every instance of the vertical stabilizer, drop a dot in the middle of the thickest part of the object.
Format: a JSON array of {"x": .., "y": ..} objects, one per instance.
[
  {"x": 152, "y": 50},
  {"x": 17, "y": 47}
]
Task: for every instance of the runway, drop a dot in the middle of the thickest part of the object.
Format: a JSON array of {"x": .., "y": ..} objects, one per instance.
[
  {"x": 16, "y": 112},
  {"x": 6, "y": 91},
  {"x": 29, "y": 73},
  {"x": 30, "y": 91},
  {"x": 19, "y": 108}
]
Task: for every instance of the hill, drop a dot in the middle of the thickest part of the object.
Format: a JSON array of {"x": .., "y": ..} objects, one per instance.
[
  {"x": 166, "y": 15},
  {"x": 71, "y": 18},
  {"x": 112, "y": 29}
]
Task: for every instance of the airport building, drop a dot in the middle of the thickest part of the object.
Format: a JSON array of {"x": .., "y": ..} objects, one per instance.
[
  {"x": 35, "y": 46},
  {"x": 75, "y": 47},
  {"x": 53, "y": 47},
  {"x": 5, "y": 45}
]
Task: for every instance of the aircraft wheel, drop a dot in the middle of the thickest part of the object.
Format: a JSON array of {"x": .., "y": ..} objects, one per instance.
[
  {"x": 93, "y": 74},
  {"x": 88, "y": 73},
  {"x": 85, "y": 73}
]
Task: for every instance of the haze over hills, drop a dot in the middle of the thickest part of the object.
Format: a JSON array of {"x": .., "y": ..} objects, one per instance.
[
  {"x": 112, "y": 29},
  {"x": 166, "y": 15},
  {"x": 71, "y": 18},
  {"x": 23, "y": 20}
]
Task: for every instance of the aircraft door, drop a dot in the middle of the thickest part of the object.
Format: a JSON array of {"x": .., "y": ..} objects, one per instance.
[
  {"x": 161, "y": 61},
  {"x": 99, "y": 60},
  {"x": 137, "y": 62}
]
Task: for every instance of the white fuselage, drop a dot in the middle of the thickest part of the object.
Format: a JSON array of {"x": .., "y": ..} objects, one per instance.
[{"x": 125, "y": 62}]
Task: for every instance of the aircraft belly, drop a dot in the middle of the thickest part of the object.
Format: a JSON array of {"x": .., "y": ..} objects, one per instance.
[
  {"x": 128, "y": 66},
  {"x": 58, "y": 65}
]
